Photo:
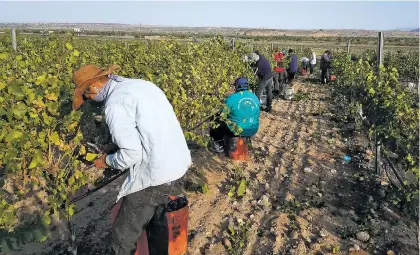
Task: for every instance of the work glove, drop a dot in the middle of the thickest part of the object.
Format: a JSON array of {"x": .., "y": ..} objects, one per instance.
[
  {"x": 110, "y": 148},
  {"x": 101, "y": 162}
]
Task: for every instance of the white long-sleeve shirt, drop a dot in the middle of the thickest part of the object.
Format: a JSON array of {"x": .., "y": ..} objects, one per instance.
[
  {"x": 312, "y": 61},
  {"x": 143, "y": 124}
]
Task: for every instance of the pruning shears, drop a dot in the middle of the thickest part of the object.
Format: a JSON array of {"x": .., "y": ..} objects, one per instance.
[{"x": 95, "y": 147}]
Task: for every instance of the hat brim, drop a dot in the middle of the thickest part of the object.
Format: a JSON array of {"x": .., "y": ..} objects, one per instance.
[{"x": 80, "y": 90}]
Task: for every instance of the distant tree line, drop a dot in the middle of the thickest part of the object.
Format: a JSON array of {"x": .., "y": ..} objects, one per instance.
[{"x": 396, "y": 41}]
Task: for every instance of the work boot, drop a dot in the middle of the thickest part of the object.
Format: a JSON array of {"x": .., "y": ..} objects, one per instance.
[{"x": 217, "y": 147}]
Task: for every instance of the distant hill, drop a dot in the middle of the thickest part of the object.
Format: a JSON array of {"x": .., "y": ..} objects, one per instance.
[
  {"x": 406, "y": 29},
  {"x": 226, "y": 31},
  {"x": 415, "y": 30}
]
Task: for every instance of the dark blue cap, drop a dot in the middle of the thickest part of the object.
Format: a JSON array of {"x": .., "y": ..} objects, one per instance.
[{"x": 241, "y": 83}]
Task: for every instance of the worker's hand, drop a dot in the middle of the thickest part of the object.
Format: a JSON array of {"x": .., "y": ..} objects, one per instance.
[
  {"x": 101, "y": 162},
  {"x": 110, "y": 148}
]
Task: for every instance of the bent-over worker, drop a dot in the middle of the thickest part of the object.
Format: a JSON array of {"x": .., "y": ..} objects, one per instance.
[
  {"x": 265, "y": 82},
  {"x": 151, "y": 145}
]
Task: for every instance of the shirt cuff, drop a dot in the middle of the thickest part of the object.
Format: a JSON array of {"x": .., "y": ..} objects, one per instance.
[{"x": 109, "y": 159}]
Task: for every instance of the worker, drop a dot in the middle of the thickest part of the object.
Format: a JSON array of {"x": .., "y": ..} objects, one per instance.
[
  {"x": 293, "y": 67},
  {"x": 325, "y": 66},
  {"x": 243, "y": 111},
  {"x": 305, "y": 63},
  {"x": 151, "y": 145},
  {"x": 312, "y": 63},
  {"x": 279, "y": 72},
  {"x": 263, "y": 72},
  {"x": 284, "y": 51}
]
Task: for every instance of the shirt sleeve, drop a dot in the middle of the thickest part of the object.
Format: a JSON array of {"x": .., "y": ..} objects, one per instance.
[{"x": 121, "y": 121}]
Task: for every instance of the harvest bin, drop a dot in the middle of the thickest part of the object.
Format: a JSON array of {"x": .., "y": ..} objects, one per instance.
[
  {"x": 238, "y": 147},
  {"x": 166, "y": 233}
]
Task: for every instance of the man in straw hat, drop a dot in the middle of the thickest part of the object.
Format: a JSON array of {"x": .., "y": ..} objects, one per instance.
[{"x": 151, "y": 144}]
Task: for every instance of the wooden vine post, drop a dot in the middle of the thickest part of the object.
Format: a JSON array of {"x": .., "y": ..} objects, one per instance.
[
  {"x": 348, "y": 46},
  {"x": 14, "y": 42},
  {"x": 379, "y": 62}
]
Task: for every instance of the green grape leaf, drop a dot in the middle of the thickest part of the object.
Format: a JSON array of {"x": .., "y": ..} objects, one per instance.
[
  {"x": 71, "y": 180},
  {"x": 232, "y": 230},
  {"x": 51, "y": 97},
  {"x": 13, "y": 135},
  {"x": 69, "y": 46},
  {"x": 242, "y": 188},
  {"x": 232, "y": 191},
  {"x": 46, "y": 219},
  {"x": 2, "y": 112},
  {"x": 37, "y": 160},
  {"x": 40, "y": 79},
  {"x": 91, "y": 156},
  {"x": 54, "y": 138},
  {"x": 82, "y": 150},
  {"x": 71, "y": 209},
  {"x": 9, "y": 218},
  {"x": 4, "y": 56}
]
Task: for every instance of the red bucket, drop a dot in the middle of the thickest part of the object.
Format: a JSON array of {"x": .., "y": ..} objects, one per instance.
[{"x": 303, "y": 72}]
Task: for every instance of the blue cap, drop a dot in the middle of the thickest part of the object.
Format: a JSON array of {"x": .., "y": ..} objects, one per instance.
[{"x": 241, "y": 83}]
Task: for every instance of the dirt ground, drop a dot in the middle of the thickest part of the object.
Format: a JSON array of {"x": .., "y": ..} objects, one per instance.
[{"x": 300, "y": 198}]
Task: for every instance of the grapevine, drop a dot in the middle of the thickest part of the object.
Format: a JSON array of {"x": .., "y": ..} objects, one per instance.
[
  {"x": 42, "y": 150},
  {"x": 389, "y": 107}
]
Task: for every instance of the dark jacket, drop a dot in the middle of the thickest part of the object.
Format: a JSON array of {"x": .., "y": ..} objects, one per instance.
[
  {"x": 293, "y": 65},
  {"x": 325, "y": 61},
  {"x": 264, "y": 69}
]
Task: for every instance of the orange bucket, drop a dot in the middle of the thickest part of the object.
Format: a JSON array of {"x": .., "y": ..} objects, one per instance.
[
  {"x": 238, "y": 148},
  {"x": 177, "y": 230},
  {"x": 174, "y": 225},
  {"x": 333, "y": 77}
]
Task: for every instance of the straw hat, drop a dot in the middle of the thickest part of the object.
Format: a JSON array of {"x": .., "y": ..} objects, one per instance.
[{"x": 84, "y": 77}]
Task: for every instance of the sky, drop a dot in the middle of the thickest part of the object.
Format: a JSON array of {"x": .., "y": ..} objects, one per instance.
[{"x": 368, "y": 15}]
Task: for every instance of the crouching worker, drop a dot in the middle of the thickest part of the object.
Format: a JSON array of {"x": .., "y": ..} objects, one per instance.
[
  {"x": 243, "y": 111},
  {"x": 151, "y": 145}
]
